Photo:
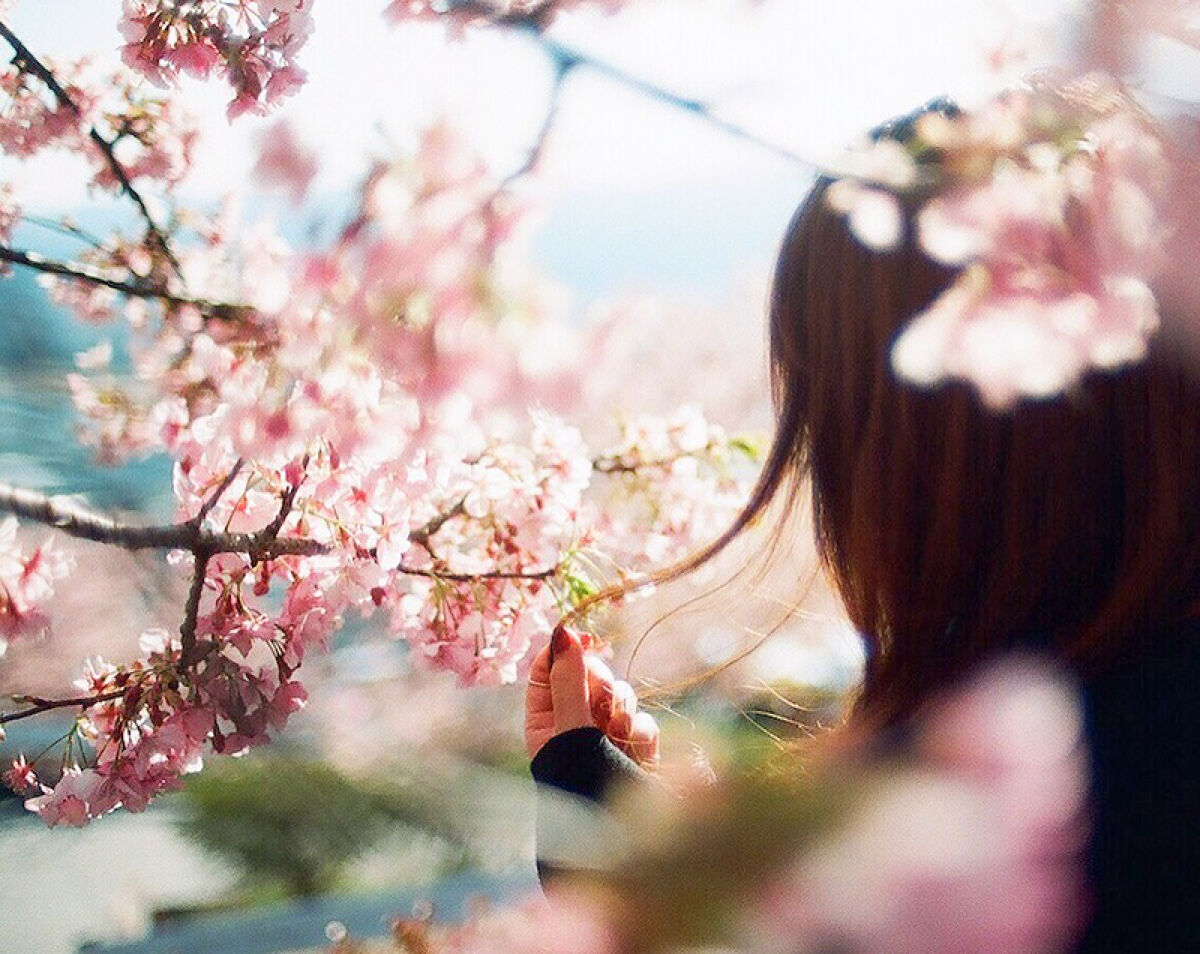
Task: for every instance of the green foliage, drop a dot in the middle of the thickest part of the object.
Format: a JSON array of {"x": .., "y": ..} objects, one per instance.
[
  {"x": 579, "y": 588},
  {"x": 751, "y": 446},
  {"x": 288, "y": 821}
]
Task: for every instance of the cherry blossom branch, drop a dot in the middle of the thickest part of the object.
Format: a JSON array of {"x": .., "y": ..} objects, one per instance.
[
  {"x": 191, "y": 609},
  {"x": 563, "y": 54},
  {"x": 27, "y": 61},
  {"x": 614, "y": 465},
  {"x": 567, "y": 58},
  {"x": 65, "y": 228},
  {"x": 479, "y": 577},
  {"x": 538, "y": 148},
  {"x": 537, "y": 19},
  {"x": 269, "y": 535},
  {"x": 215, "y": 498},
  {"x": 85, "y": 524},
  {"x": 618, "y": 464},
  {"x": 39, "y": 705},
  {"x": 422, "y": 535},
  {"x": 136, "y": 288}
]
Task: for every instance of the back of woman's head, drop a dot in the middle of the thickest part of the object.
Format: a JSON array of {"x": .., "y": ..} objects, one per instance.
[{"x": 953, "y": 531}]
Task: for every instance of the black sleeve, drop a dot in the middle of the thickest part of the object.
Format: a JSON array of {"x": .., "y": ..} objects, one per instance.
[{"x": 580, "y": 764}]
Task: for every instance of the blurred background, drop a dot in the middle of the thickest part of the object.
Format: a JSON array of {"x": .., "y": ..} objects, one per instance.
[{"x": 364, "y": 808}]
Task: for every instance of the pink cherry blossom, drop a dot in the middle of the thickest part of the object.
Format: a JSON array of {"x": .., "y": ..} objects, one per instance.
[
  {"x": 26, "y": 583},
  {"x": 79, "y": 796},
  {"x": 20, "y": 776},
  {"x": 1053, "y": 208},
  {"x": 252, "y": 44},
  {"x": 978, "y": 848},
  {"x": 284, "y": 162}
]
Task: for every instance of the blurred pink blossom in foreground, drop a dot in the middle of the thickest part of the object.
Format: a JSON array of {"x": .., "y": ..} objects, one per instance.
[
  {"x": 1057, "y": 202},
  {"x": 970, "y": 845},
  {"x": 26, "y": 583}
]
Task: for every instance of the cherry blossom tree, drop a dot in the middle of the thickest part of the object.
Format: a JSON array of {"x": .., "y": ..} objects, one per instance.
[{"x": 349, "y": 423}]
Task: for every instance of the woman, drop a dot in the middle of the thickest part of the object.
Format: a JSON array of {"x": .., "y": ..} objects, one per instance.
[{"x": 954, "y": 533}]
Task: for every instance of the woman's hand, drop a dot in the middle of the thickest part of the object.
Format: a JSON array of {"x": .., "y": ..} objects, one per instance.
[{"x": 579, "y": 690}]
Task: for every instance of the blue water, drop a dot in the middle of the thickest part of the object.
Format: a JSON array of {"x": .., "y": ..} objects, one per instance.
[
  {"x": 302, "y": 924},
  {"x": 38, "y": 444}
]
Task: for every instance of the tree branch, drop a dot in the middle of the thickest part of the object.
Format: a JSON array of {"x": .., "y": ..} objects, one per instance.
[
  {"x": 536, "y": 151},
  {"x": 191, "y": 609},
  {"x": 566, "y": 58},
  {"x": 136, "y": 287},
  {"x": 26, "y": 60},
  {"x": 45, "y": 705},
  {"x": 422, "y": 535},
  {"x": 618, "y": 464},
  {"x": 215, "y": 498},
  {"x": 66, "y": 228},
  {"x": 77, "y": 521},
  {"x": 477, "y": 577}
]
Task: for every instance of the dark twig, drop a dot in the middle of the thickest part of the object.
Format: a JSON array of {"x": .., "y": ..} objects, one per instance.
[
  {"x": 78, "y": 521},
  {"x": 215, "y": 497},
  {"x": 45, "y": 705},
  {"x": 267, "y": 539},
  {"x": 538, "y": 149},
  {"x": 287, "y": 501},
  {"x": 136, "y": 287},
  {"x": 620, "y": 465},
  {"x": 566, "y": 58},
  {"x": 68, "y": 229},
  {"x": 477, "y": 577},
  {"x": 422, "y": 535},
  {"x": 537, "y": 19},
  {"x": 191, "y": 609},
  {"x": 26, "y": 60}
]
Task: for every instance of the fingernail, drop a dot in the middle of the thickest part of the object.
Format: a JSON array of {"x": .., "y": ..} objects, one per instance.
[{"x": 560, "y": 642}]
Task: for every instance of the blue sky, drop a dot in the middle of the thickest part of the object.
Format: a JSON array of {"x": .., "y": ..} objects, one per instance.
[{"x": 808, "y": 74}]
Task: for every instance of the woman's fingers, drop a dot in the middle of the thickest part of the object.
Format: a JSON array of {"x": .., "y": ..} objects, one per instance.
[
  {"x": 624, "y": 698},
  {"x": 620, "y": 729},
  {"x": 569, "y": 683},
  {"x": 643, "y": 739},
  {"x": 634, "y": 733},
  {"x": 571, "y": 689},
  {"x": 537, "y": 693},
  {"x": 539, "y": 707},
  {"x": 600, "y": 689}
]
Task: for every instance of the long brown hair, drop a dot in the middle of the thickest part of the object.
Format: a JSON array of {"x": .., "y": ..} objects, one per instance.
[{"x": 952, "y": 531}]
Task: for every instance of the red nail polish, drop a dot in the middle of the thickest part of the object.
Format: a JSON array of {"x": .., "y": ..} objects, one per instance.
[{"x": 560, "y": 642}]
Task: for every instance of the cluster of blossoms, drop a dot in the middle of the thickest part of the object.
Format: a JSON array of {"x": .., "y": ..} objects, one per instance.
[
  {"x": 1050, "y": 199},
  {"x": 469, "y": 559},
  {"x": 26, "y": 583},
  {"x": 674, "y": 483},
  {"x": 31, "y": 122},
  {"x": 251, "y": 44},
  {"x": 977, "y": 846},
  {"x": 359, "y": 417},
  {"x": 157, "y": 719},
  {"x": 148, "y": 136}
]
